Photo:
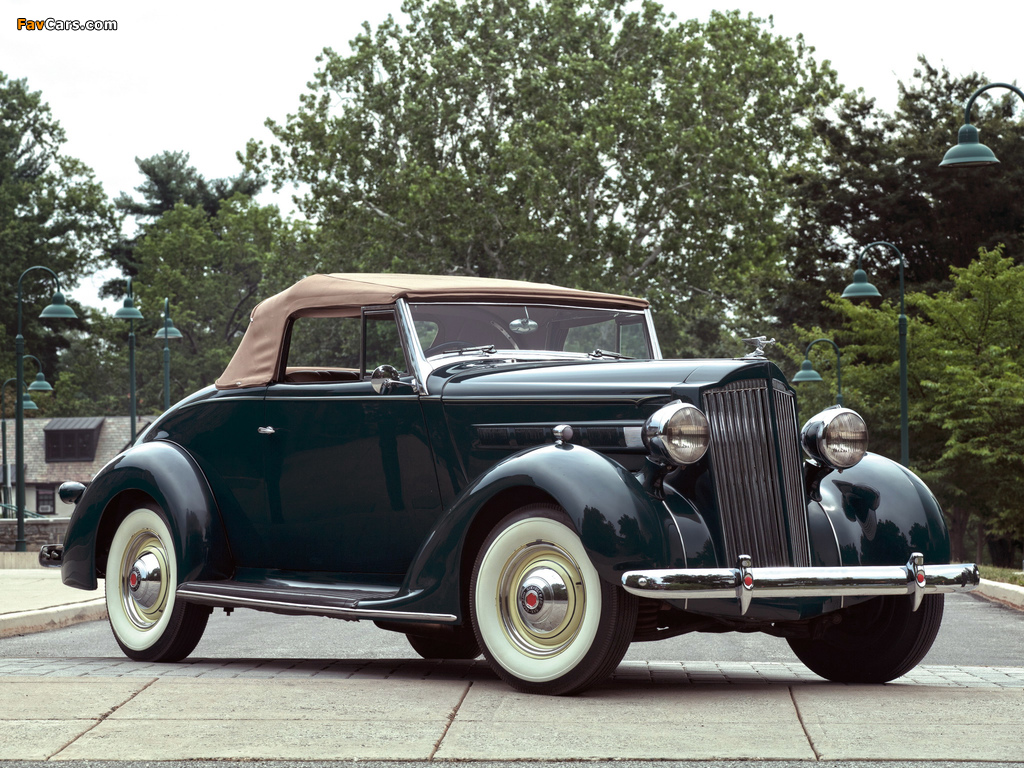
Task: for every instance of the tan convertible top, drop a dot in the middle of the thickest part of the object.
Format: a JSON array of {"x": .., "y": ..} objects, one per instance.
[{"x": 255, "y": 361}]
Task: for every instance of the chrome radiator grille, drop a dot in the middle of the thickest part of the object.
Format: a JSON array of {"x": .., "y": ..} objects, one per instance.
[{"x": 757, "y": 475}]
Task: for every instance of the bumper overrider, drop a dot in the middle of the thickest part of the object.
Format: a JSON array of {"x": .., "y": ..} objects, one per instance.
[{"x": 746, "y": 582}]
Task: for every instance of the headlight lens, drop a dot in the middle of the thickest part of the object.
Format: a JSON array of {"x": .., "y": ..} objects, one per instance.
[
  {"x": 836, "y": 437},
  {"x": 677, "y": 434}
]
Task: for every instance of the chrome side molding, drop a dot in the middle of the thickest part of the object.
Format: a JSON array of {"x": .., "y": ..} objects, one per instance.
[{"x": 746, "y": 582}]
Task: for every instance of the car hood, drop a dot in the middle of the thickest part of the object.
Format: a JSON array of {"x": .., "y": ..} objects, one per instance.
[{"x": 586, "y": 379}]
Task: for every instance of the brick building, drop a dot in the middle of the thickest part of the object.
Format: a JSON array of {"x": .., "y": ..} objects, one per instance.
[{"x": 58, "y": 450}]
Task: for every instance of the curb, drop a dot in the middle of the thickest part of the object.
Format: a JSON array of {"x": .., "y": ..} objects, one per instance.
[
  {"x": 44, "y": 619},
  {"x": 1009, "y": 595}
]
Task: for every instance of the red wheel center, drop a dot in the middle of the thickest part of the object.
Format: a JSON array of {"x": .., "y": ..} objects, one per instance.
[
  {"x": 531, "y": 600},
  {"x": 133, "y": 580}
]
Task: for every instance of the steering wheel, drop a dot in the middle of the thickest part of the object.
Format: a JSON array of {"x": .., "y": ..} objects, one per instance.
[{"x": 446, "y": 346}]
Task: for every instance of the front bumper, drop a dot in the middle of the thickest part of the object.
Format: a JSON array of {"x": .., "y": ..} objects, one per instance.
[{"x": 745, "y": 582}]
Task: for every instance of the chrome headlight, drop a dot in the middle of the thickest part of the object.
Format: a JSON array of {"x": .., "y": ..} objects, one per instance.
[
  {"x": 677, "y": 434},
  {"x": 836, "y": 437}
]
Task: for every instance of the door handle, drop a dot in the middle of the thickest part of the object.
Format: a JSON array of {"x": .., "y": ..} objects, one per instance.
[{"x": 266, "y": 430}]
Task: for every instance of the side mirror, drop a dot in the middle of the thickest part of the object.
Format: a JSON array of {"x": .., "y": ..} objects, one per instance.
[{"x": 385, "y": 380}]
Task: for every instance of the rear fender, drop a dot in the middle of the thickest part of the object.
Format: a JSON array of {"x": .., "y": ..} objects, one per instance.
[{"x": 161, "y": 472}]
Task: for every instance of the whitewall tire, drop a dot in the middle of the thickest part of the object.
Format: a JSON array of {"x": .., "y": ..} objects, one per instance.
[
  {"x": 545, "y": 620},
  {"x": 148, "y": 622}
]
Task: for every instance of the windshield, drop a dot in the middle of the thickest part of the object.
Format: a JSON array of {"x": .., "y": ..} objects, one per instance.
[{"x": 483, "y": 329}]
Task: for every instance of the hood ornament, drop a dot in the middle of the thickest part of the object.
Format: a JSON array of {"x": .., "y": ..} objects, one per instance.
[{"x": 759, "y": 343}]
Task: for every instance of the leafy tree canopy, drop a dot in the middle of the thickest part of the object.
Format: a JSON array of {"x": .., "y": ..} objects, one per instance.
[
  {"x": 574, "y": 142},
  {"x": 53, "y": 213},
  {"x": 879, "y": 179},
  {"x": 965, "y": 384}
]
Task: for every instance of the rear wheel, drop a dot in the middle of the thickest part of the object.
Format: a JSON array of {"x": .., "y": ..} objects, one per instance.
[
  {"x": 142, "y": 574},
  {"x": 543, "y": 617},
  {"x": 877, "y": 641}
]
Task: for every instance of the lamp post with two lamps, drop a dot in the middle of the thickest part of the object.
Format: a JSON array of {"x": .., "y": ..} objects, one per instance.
[
  {"x": 860, "y": 288},
  {"x": 167, "y": 333},
  {"x": 26, "y": 404},
  {"x": 808, "y": 374},
  {"x": 57, "y": 308},
  {"x": 131, "y": 314}
]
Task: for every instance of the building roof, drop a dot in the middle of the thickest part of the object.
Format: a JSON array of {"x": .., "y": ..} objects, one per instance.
[
  {"x": 343, "y": 295},
  {"x": 114, "y": 436}
]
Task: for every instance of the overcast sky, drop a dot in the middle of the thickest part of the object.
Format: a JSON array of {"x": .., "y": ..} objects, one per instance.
[{"x": 203, "y": 76}]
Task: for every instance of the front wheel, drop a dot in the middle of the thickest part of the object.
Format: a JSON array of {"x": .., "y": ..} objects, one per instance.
[
  {"x": 876, "y": 641},
  {"x": 544, "y": 619},
  {"x": 142, "y": 574}
]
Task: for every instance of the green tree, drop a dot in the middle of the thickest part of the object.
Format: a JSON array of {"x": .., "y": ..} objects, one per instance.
[
  {"x": 169, "y": 179},
  {"x": 879, "y": 179},
  {"x": 575, "y": 142},
  {"x": 52, "y": 213},
  {"x": 966, "y": 393},
  {"x": 214, "y": 269}
]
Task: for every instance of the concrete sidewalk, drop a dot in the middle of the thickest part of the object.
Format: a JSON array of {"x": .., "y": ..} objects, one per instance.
[
  {"x": 631, "y": 717},
  {"x": 35, "y": 600}
]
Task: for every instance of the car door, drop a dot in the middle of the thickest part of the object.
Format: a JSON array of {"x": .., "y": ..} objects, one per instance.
[{"x": 350, "y": 478}]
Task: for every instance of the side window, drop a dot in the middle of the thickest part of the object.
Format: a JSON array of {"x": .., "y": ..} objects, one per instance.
[
  {"x": 383, "y": 345},
  {"x": 324, "y": 342}
]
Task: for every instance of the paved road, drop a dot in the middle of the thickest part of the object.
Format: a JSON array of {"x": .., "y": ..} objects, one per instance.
[{"x": 975, "y": 632}]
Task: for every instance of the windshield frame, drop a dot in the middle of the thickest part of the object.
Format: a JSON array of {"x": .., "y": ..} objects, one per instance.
[{"x": 422, "y": 367}]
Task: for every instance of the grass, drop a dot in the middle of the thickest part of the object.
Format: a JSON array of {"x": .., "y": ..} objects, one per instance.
[{"x": 1006, "y": 575}]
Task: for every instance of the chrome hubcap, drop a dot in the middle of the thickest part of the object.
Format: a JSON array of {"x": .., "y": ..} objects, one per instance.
[
  {"x": 541, "y": 599},
  {"x": 144, "y": 589}
]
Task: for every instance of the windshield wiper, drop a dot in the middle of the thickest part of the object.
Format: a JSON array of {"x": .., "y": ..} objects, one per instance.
[
  {"x": 489, "y": 349},
  {"x": 609, "y": 353}
]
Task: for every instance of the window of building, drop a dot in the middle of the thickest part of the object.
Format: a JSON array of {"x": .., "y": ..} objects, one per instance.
[
  {"x": 72, "y": 439},
  {"x": 45, "y": 501}
]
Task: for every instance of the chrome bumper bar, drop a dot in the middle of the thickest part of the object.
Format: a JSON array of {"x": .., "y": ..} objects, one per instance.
[{"x": 745, "y": 582}]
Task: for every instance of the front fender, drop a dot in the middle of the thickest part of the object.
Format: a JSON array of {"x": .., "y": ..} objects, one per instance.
[
  {"x": 880, "y": 512},
  {"x": 619, "y": 523},
  {"x": 167, "y": 474}
]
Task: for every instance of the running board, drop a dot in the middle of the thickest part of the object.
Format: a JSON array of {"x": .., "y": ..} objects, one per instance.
[{"x": 299, "y": 601}]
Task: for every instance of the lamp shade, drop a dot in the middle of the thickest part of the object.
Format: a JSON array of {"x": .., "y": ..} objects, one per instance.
[
  {"x": 27, "y": 404},
  {"x": 128, "y": 311},
  {"x": 968, "y": 152},
  {"x": 860, "y": 288},
  {"x": 40, "y": 384},
  {"x": 168, "y": 331},
  {"x": 58, "y": 308},
  {"x": 806, "y": 373}
]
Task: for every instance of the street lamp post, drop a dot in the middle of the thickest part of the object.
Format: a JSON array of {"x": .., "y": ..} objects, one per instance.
[
  {"x": 57, "y": 308},
  {"x": 808, "y": 374},
  {"x": 131, "y": 314},
  {"x": 969, "y": 152},
  {"x": 860, "y": 288},
  {"x": 39, "y": 385},
  {"x": 167, "y": 333}
]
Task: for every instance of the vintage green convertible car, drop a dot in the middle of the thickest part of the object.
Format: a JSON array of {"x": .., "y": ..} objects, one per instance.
[{"x": 512, "y": 468}]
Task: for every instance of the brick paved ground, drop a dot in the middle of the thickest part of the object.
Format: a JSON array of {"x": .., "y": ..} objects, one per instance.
[{"x": 641, "y": 672}]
